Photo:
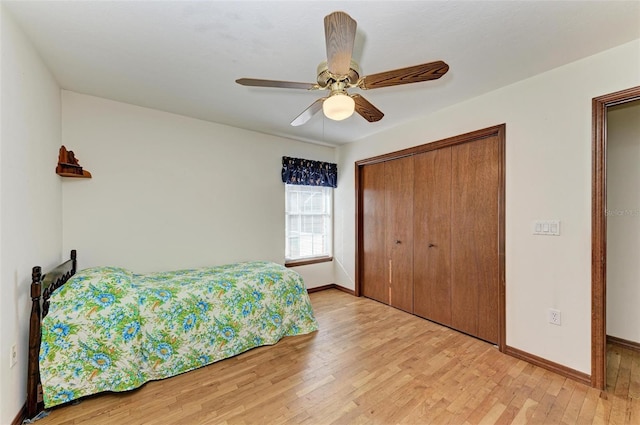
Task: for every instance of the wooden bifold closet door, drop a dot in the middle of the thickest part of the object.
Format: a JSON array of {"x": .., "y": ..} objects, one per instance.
[
  {"x": 387, "y": 222},
  {"x": 431, "y": 232},
  {"x": 475, "y": 274},
  {"x": 373, "y": 226},
  {"x": 399, "y": 231},
  {"x": 432, "y": 235}
]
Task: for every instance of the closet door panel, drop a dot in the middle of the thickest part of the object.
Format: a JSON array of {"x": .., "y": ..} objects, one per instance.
[
  {"x": 399, "y": 231},
  {"x": 474, "y": 237},
  {"x": 375, "y": 276},
  {"x": 431, "y": 233}
]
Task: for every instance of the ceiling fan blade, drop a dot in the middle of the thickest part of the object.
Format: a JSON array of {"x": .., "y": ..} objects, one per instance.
[
  {"x": 308, "y": 113},
  {"x": 340, "y": 34},
  {"x": 254, "y": 82},
  {"x": 411, "y": 74},
  {"x": 366, "y": 109}
]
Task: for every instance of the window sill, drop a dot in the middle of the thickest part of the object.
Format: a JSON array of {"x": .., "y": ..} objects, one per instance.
[{"x": 307, "y": 261}]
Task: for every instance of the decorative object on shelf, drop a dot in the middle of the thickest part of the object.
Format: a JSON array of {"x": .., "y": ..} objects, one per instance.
[{"x": 68, "y": 165}]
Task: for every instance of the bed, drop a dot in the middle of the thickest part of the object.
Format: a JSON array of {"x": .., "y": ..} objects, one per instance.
[{"x": 108, "y": 329}]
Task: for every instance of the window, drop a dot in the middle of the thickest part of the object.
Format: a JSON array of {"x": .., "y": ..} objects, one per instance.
[{"x": 309, "y": 224}]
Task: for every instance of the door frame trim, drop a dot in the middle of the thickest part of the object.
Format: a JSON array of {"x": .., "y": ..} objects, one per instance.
[
  {"x": 599, "y": 106},
  {"x": 498, "y": 131}
]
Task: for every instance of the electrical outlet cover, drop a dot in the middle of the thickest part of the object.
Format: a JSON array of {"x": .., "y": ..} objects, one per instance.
[
  {"x": 555, "y": 317},
  {"x": 13, "y": 356}
]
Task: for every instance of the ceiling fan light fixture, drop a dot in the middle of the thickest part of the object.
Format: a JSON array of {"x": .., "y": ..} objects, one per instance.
[
  {"x": 338, "y": 106},
  {"x": 340, "y": 72}
]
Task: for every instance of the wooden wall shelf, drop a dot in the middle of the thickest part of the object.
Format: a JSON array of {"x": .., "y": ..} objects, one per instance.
[{"x": 68, "y": 165}]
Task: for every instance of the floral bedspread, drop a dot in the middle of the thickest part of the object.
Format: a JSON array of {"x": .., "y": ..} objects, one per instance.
[{"x": 112, "y": 330}]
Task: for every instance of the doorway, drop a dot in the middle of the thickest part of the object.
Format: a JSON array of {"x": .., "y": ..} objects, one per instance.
[{"x": 600, "y": 106}]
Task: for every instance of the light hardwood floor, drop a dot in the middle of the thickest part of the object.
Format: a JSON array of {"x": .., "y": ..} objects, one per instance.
[{"x": 370, "y": 364}]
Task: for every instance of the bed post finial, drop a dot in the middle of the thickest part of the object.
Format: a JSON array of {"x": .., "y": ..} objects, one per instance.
[
  {"x": 74, "y": 256},
  {"x": 36, "y": 276}
]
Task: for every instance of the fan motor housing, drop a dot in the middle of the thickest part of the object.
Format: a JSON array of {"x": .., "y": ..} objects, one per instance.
[{"x": 326, "y": 78}]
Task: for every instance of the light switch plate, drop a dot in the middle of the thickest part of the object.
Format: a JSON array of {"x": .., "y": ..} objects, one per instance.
[{"x": 546, "y": 227}]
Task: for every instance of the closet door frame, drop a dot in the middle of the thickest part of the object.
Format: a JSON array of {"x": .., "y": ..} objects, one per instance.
[{"x": 497, "y": 131}]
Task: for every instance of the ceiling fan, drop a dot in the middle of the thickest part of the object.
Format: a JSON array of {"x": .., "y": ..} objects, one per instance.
[{"x": 341, "y": 72}]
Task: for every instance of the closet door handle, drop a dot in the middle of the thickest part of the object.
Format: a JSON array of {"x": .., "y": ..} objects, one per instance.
[
  {"x": 398, "y": 242},
  {"x": 431, "y": 245}
]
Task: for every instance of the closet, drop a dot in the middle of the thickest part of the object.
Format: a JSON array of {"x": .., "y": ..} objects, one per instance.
[{"x": 430, "y": 223}]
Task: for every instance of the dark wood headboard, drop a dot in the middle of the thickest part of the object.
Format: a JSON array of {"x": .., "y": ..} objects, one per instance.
[{"x": 42, "y": 285}]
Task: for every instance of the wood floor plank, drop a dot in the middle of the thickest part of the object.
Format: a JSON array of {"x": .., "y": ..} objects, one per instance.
[
  {"x": 561, "y": 402},
  {"x": 369, "y": 364},
  {"x": 603, "y": 410},
  {"x": 588, "y": 409},
  {"x": 624, "y": 372},
  {"x": 613, "y": 361},
  {"x": 520, "y": 406},
  {"x": 575, "y": 404},
  {"x": 634, "y": 386}
]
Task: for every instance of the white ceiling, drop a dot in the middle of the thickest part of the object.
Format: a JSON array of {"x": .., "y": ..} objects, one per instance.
[{"x": 184, "y": 56}]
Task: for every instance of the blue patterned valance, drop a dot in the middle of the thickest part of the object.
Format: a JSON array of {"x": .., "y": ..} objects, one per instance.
[{"x": 309, "y": 173}]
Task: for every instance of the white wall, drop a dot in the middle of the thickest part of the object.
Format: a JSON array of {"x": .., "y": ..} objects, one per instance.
[
  {"x": 548, "y": 176},
  {"x": 172, "y": 192},
  {"x": 623, "y": 221},
  {"x": 30, "y": 198}
]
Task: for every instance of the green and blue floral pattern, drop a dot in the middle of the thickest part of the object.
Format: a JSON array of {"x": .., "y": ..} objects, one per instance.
[{"x": 112, "y": 330}]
